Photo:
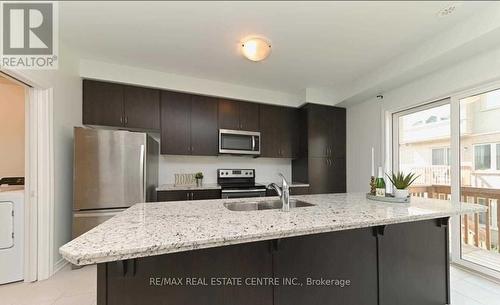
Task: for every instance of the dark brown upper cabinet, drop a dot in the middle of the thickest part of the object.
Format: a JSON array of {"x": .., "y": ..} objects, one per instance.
[
  {"x": 188, "y": 124},
  {"x": 141, "y": 108},
  {"x": 238, "y": 115},
  {"x": 102, "y": 103},
  {"x": 278, "y": 131},
  {"x": 109, "y": 104},
  {"x": 326, "y": 131},
  {"x": 321, "y": 157},
  {"x": 204, "y": 130},
  {"x": 175, "y": 123}
]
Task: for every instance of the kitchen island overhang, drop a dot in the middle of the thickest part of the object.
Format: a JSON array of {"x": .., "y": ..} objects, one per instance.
[{"x": 382, "y": 249}]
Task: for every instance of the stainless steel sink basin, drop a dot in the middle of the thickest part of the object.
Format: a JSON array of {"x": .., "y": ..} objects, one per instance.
[{"x": 263, "y": 205}]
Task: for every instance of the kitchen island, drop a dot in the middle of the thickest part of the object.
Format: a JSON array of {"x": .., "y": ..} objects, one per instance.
[{"x": 344, "y": 249}]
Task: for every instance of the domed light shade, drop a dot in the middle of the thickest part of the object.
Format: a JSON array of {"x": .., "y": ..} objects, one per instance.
[{"x": 256, "y": 49}]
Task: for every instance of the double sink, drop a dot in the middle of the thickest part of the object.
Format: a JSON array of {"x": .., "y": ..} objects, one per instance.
[{"x": 263, "y": 205}]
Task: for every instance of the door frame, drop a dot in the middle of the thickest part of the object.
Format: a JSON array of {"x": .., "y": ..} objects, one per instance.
[
  {"x": 39, "y": 177},
  {"x": 390, "y": 130}
]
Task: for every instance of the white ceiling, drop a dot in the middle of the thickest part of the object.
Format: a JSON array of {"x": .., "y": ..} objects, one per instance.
[{"x": 315, "y": 44}]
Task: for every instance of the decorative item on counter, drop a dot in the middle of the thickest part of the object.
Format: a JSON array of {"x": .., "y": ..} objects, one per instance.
[
  {"x": 380, "y": 184},
  {"x": 185, "y": 179},
  {"x": 372, "y": 178},
  {"x": 373, "y": 189},
  {"x": 401, "y": 183},
  {"x": 199, "y": 179},
  {"x": 388, "y": 198}
]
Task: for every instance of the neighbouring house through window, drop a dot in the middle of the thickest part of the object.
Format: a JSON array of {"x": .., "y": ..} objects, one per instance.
[
  {"x": 498, "y": 157},
  {"x": 487, "y": 157},
  {"x": 441, "y": 156}
]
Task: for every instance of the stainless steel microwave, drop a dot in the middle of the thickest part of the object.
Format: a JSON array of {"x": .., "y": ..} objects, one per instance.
[{"x": 239, "y": 142}]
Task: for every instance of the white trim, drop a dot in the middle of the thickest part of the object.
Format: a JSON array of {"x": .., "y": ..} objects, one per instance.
[
  {"x": 455, "y": 230},
  {"x": 478, "y": 268},
  {"x": 61, "y": 263},
  {"x": 30, "y": 189},
  {"x": 45, "y": 165}
]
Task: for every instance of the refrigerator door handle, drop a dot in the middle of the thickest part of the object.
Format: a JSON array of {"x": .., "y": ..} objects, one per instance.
[
  {"x": 97, "y": 213},
  {"x": 142, "y": 174}
]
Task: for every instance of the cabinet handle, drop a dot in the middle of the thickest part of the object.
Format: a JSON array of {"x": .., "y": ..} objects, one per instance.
[
  {"x": 187, "y": 196},
  {"x": 121, "y": 120},
  {"x": 192, "y": 196},
  {"x": 126, "y": 120}
]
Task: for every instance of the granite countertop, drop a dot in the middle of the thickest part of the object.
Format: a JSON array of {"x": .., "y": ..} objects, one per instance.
[
  {"x": 173, "y": 187},
  {"x": 155, "y": 228}
]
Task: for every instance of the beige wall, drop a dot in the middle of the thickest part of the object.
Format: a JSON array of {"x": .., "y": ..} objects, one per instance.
[{"x": 11, "y": 130}]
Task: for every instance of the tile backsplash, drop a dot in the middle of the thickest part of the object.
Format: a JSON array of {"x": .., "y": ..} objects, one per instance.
[{"x": 266, "y": 169}]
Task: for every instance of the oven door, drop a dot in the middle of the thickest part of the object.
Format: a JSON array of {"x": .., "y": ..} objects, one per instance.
[
  {"x": 239, "y": 142},
  {"x": 227, "y": 194}
]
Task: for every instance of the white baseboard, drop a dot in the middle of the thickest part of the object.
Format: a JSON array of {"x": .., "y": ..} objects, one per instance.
[{"x": 59, "y": 265}]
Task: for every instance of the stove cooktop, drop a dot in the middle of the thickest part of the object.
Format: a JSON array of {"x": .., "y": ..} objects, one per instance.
[{"x": 243, "y": 187}]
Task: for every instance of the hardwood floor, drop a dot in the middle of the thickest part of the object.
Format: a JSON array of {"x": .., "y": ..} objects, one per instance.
[{"x": 78, "y": 287}]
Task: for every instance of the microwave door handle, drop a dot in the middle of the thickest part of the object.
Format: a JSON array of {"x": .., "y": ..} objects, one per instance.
[{"x": 253, "y": 143}]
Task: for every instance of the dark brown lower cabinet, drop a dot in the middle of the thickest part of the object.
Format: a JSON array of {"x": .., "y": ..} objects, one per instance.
[
  {"x": 188, "y": 195},
  {"x": 387, "y": 265},
  {"x": 413, "y": 263},
  {"x": 344, "y": 256},
  {"x": 133, "y": 282}
]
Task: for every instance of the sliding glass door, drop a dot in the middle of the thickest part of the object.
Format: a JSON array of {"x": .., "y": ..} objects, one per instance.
[
  {"x": 454, "y": 147},
  {"x": 480, "y": 177}
]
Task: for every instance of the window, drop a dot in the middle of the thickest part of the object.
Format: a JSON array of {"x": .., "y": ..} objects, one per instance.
[
  {"x": 422, "y": 144},
  {"x": 491, "y": 100},
  {"x": 441, "y": 156},
  {"x": 482, "y": 157},
  {"x": 498, "y": 157}
]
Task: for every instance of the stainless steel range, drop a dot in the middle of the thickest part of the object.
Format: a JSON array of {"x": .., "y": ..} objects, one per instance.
[{"x": 239, "y": 183}]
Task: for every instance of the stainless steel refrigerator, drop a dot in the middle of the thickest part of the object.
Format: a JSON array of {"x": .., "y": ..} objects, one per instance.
[{"x": 113, "y": 170}]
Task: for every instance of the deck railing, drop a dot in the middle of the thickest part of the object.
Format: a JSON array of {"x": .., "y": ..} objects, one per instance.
[
  {"x": 479, "y": 230},
  {"x": 438, "y": 174}
]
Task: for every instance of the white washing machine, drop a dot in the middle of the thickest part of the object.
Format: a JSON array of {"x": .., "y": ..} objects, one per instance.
[{"x": 11, "y": 233}]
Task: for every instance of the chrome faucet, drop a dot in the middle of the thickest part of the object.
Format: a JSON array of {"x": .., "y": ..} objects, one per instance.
[{"x": 283, "y": 193}]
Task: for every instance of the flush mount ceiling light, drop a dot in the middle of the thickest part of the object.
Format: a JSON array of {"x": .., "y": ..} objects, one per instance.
[
  {"x": 256, "y": 49},
  {"x": 448, "y": 10}
]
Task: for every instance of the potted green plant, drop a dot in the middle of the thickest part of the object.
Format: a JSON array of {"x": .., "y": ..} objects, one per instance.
[
  {"x": 199, "y": 178},
  {"x": 401, "y": 183}
]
